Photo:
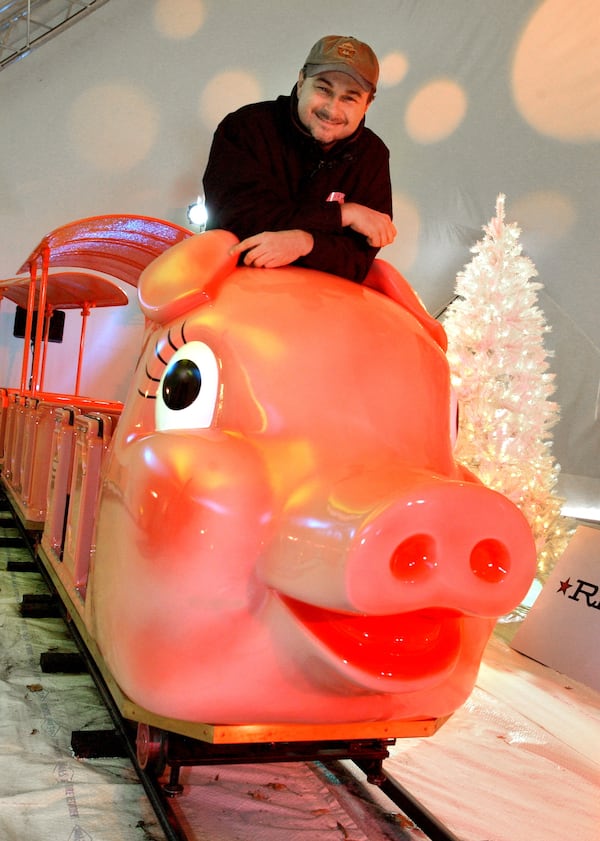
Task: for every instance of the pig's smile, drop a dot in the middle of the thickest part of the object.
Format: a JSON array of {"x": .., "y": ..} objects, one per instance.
[{"x": 405, "y": 647}]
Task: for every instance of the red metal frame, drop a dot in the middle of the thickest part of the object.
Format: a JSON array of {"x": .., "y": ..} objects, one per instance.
[{"x": 115, "y": 245}]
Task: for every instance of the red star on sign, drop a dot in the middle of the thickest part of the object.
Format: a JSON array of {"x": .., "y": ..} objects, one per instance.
[{"x": 564, "y": 586}]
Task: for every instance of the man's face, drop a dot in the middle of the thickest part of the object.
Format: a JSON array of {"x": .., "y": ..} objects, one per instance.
[{"x": 331, "y": 106}]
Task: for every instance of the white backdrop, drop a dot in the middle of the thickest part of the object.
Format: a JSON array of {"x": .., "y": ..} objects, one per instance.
[{"x": 477, "y": 97}]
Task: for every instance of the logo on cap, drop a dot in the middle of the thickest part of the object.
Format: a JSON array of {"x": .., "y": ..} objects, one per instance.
[{"x": 346, "y": 50}]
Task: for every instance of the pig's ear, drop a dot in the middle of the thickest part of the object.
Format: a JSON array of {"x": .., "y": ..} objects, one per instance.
[
  {"x": 385, "y": 278},
  {"x": 184, "y": 276}
]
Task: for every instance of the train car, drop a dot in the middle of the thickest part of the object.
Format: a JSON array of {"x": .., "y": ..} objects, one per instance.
[{"x": 271, "y": 539}]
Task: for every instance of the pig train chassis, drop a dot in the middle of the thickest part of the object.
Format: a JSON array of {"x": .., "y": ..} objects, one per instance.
[{"x": 159, "y": 747}]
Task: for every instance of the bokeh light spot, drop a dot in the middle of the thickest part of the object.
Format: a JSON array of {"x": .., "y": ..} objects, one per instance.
[
  {"x": 544, "y": 217},
  {"x": 435, "y": 111},
  {"x": 113, "y": 126},
  {"x": 178, "y": 19},
  {"x": 227, "y": 92},
  {"x": 556, "y": 70},
  {"x": 393, "y": 67},
  {"x": 407, "y": 219}
]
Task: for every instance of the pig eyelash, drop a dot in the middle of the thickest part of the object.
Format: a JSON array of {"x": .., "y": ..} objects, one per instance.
[{"x": 151, "y": 390}]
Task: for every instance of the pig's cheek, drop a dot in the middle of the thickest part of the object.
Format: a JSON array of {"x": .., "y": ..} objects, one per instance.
[
  {"x": 160, "y": 511},
  {"x": 197, "y": 496}
]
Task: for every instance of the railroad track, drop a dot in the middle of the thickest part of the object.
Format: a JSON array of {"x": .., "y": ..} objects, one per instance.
[{"x": 170, "y": 752}]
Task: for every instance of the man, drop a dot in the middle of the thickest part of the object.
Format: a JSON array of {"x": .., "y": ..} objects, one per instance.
[{"x": 301, "y": 179}]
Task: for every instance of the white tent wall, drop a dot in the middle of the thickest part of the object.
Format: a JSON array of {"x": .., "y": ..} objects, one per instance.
[{"x": 116, "y": 115}]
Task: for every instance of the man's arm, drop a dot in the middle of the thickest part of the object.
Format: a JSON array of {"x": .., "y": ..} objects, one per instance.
[
  {"x": 376, "y": 227},
  {"x": 280, "y": 248},
  {"x": 364, "y": 228},
  {"x": 271, "y": 249}
]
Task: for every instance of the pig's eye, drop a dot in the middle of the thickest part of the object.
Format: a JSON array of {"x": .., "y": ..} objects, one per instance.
[{"x": 187, "y": 392}]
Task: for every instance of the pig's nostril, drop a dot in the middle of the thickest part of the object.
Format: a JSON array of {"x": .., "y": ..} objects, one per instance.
[
  {"x": 490, "y": 560},
  {"x": 414, "y": 559}
]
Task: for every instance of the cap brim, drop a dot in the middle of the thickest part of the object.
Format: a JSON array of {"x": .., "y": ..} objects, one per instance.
[{"x": 340, "y": 67}]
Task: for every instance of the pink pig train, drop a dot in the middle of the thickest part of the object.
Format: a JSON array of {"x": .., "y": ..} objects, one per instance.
[{"x": 283, "y": 532}]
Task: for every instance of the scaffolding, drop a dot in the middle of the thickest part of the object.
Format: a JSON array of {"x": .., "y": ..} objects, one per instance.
[{"x": 26, "y": 24}]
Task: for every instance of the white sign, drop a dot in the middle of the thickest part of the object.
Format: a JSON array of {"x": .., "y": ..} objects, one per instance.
[{"x": 562, "y": 629}]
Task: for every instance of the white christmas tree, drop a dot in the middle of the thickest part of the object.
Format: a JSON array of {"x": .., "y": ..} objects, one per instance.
[{"x": 500, "y": 373}]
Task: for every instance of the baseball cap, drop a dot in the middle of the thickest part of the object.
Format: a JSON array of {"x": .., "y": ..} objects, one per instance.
[{"x": 346, "y": 55}]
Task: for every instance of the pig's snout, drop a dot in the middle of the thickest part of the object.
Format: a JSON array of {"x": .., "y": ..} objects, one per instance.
[
  {"x": 437, "y": 544},
  {"x": 454, "y": 545}
]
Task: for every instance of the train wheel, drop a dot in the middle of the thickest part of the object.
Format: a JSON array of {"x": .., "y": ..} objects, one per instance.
[{"x": 151, "y": 748}]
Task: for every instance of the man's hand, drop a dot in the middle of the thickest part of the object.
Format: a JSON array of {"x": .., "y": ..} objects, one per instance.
[
  {"x": 377, "y": 227},
  {"x": 274, "y": 248}
]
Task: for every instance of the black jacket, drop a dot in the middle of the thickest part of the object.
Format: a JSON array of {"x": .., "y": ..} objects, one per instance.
[{"x": 266, "y": 173}]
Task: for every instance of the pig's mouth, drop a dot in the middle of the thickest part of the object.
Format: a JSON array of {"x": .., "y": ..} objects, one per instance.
[{"x": 403, "y": 648}]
